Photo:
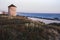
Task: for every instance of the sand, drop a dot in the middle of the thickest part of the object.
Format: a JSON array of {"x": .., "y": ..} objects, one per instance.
[{"x": 44, "y": 20}]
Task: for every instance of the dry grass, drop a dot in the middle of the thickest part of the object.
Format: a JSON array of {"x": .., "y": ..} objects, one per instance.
[{"x": 15, "y": 29}]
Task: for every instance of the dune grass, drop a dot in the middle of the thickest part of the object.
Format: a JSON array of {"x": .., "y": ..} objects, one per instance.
[{"x": 25, "y": 29}]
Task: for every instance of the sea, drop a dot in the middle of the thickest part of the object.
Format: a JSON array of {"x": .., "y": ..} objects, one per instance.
[{"x": 41, "y": 15}]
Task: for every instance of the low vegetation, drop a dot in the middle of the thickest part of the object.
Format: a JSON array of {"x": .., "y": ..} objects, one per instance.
[
  {"x": 55, "y": 24},
  {"x": 21, "y": 28}
]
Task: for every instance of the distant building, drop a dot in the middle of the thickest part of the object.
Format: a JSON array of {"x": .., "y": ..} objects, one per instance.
[
  {"x": 3, "y": 12},
  {"x": 12, "y": 10}
]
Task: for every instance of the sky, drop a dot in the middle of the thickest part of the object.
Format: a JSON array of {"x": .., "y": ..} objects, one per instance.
[{"x": 32, "y": 6}]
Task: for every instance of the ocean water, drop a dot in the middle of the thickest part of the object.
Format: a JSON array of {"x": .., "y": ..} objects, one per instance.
[{"x": 43, "y": 15}]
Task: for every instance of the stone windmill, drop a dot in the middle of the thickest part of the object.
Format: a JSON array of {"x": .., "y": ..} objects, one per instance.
[{"x": 12, "y": 10}]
